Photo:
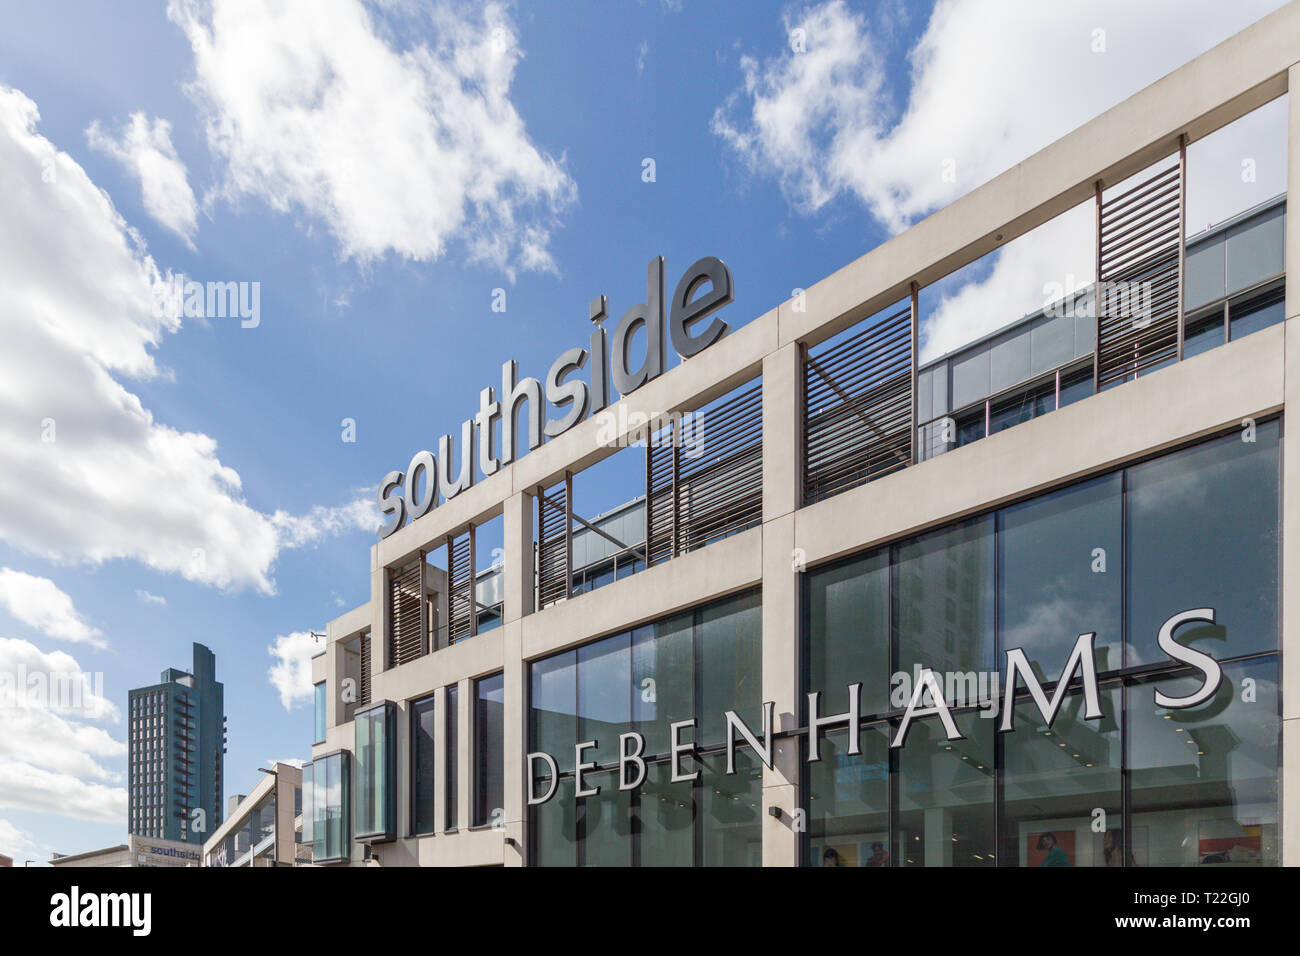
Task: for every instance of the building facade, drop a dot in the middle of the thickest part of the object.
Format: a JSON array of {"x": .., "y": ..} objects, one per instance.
[
  {"x": 263, "y": 828},
  {"x": 1021, "y": 605},
  {"x": 137, "y": 851},
  {"x": 176, "y": 752}
]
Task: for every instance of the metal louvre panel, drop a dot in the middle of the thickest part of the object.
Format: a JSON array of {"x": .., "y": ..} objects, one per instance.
[
  {"x": 554, "y": 562},
  {"x": 721, "y": 492},
  {"x": 363, "y": 692},
  {"x": 462, "y": 616},
  {"x": 1139, "y": 273},
  {"x": 405, "y": 633},
  {"x": 704, "y": 476},
  {"x": 660, "y": 510},
  {"x": 858, "y": 401}
]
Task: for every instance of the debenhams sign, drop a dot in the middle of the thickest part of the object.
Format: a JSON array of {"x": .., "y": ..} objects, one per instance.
[
  {"x": 926, "y": 700},
  {"x": 411, "y": 494}
]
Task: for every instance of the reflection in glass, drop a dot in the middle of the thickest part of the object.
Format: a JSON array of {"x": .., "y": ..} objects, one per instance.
[
  {"x": 605, "y": 821},
  {"x": 554, "y": 711},
  {"x": 945, "y": 599},
  {"x": 848, "y": 608},
  {"x": 604, "y": 696},
  {"x": 663, "y": 678},
  {"x": 374, "y": 749},
  {"x": 555, "y": 841},
  {"x": 489, "y": 748},
  {"x": 1203, "y": 532},
  {"x": 1059, "y": 574},
  {"x": 848, "y": 801},
  {"x": 1056, "y": 780},
  {"x": 423, "y": 777},
  {"x": 945, "y": 794},
  {"x": 732, "y": 807},
  {"x": 729, "y": 644},
  {"x": 1204, "y": 779},
  {"x": 667, "y": 818},
  {"x": 319, "y": 699}
]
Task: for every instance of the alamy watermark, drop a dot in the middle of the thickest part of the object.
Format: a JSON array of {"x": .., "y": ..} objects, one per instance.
[
  {"x": 1125, "y": 300},
  {"x": 58, "y": 691},
  {"x": 621, "y": 428},
  {"x": 178, "y": 297}
]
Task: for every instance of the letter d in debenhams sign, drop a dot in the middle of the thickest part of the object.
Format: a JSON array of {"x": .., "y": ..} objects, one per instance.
[{"x": 703, "y": 289}]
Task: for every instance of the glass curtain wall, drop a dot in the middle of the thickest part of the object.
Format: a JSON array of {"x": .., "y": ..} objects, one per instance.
[
  {"x": 698, "y": 664},
  {"x": 1116, "y": 556},
  {"x": 489, "y": 750},
  {"x": 423, "y": 774},
  {"x": 376, "y": 741},
  {"x": 330, "y": 800}
]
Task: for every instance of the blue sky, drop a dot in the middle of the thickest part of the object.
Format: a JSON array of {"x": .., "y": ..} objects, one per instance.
[{"x": 380, "y": 169}]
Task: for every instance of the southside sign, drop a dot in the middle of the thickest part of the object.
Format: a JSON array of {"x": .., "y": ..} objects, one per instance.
[{"x": 413, "y": 493}]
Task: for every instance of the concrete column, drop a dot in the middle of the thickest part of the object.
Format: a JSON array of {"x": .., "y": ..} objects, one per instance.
[
  {"x": 378, "y": 616},
  {"x": 782, "y": 461},
  {"x": 1292, "y": 189},
  {"x": 335, "y": 670},
  {"x": 516, "y": 737},
  {"x": 1290, "y": 644},
  {"x": 782, "y": 427},
  {"x": 518, "y": 571}
]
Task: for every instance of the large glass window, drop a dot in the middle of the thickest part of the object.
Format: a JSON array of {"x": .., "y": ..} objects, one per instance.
[
  {"x": 1061, "y": 785},
  {"x": 1059, "y": 574},
  {"x": 1116, "y": 556},
  {"x": 945, "y": 599},
  {"x": 331, "y": 808},
  {"x": 376, "y": 761},
  {"x": 423, "y": 775},
  {"x": 489, "y": 749},
  {"x": 451, "y": 726},
  {"x": 319, "y": 699},
  {"x": 1204, "y": 779},
  {"x": 848, "y": 801},
  {"x": 695, "y": 665},
  {"x": 1203, "y": 532}
]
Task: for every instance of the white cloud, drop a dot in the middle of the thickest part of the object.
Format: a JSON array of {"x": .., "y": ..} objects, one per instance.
[
  {"x": 90, "y": 475},
  {"x": 395, "y": 150},
  {"x": 38, "y": 602},
  {"x": 145, "y": 149},
  {"x": 291, "y": 761},
  {"x": 51, "y": 754},
  {"x": 25, "y": 787},
  {"x": 291, "y": 672},
  {"x": 321, "y": 521},
  {"x": 149, "y": 598},
  {"x": 992, "y": 82},
  {"x": 18, "y": 845}
]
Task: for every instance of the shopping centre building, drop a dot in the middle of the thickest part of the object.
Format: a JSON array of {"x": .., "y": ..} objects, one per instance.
[{"x": 1019, "y": 604}]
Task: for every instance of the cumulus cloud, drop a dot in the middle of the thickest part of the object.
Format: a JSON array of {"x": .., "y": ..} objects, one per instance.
[
  {"x": 991, "y": 82},
  {"x": 39, "y": 603},
  {"x": 77, "y": 315},
  {"x": 145, "y": 148},
  {"x": 316, "y": 111},
  {"x": 291, "y": 672},
  {"x": 149, "y": 598},
  {"x": 17, "y": 844},
  {"x": 322, "y": 521},
  {"x": 51, "y": 750}
]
